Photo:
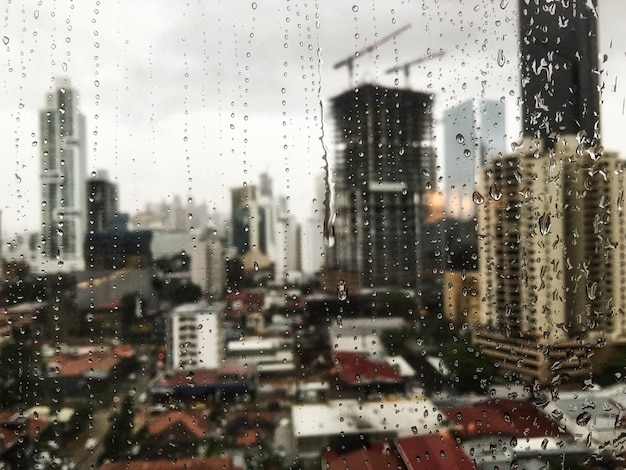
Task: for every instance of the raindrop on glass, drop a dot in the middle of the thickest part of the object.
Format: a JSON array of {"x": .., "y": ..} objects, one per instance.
[
  {"x": 501, "y": 59},
  {"x": 544, "y": 224},
  {"x": 583, "y": 418},
  {"x": 460, "y": 139},
  {"x": 495, "y": 192},
  {"x": 478, "y": 198}
]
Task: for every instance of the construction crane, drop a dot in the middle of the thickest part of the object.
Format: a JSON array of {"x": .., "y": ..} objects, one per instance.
[
  {"x": 406, "y": 66},
  {"x": 349, "y": 61}
]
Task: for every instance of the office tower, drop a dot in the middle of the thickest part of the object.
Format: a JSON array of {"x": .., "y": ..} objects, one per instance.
[
  {"x": 551, "y": 258},
  {"x": 559, "y": 66},
  {"x": 252, "y": 222},
  {"x": 102, "y": 207},
  {"x": 385, "y": 167},
  {"x": 63, "y": 179},
  {"x": 288, "y": 263},
  {"x": 194, "y": 336},
  {"x": 208, "y": 264},
  {"x": 473, "y": 131}
]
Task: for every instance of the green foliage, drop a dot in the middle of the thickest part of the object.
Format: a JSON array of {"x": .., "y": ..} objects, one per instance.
[
  {"x": 20, "y": 382},
  {"x": 470, "y": 370},
  {"x": 119, "y": 438},
  {"x": 395, "y": 304},
  {"x": 215, "y": 446},
  {"x": 397, "y": 341}
]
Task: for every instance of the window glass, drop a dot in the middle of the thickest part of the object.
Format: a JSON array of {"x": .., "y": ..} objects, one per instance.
[{"x": 284, "y": 234}]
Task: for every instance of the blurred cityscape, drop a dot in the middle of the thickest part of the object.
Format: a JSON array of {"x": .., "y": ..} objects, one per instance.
[{"x": 469, "y": 316}]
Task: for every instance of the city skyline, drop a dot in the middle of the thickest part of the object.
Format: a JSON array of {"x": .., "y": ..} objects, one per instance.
[{"x": 178, "y": 106}]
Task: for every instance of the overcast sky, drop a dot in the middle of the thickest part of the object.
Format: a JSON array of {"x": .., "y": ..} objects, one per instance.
[{"x": 195, "y": 98}]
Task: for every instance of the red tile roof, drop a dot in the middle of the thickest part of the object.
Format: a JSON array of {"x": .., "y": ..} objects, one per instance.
[
  {"x": 196, "y": 423},
  {"x": 503, "y": 417},
  {"x": 433, "y": 452},
  {"x": 376, "y": 456},
  {"x": 220, "y": 463},
  {"x": 358, "y": 368}
]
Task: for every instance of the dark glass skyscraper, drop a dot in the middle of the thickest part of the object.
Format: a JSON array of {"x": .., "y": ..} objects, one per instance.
[
  {"x": 559, "y": 64},
  {"x": 385, "y": 169}
]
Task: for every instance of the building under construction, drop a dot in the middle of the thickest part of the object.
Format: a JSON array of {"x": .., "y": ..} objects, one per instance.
[{"x": 385, "y": 171}]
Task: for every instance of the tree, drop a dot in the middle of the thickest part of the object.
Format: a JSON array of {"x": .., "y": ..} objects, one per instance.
[
  {"x": 118, "y": 440},
  {"x": 20, "y": 382},
  {"x": 470, "y": 370}
]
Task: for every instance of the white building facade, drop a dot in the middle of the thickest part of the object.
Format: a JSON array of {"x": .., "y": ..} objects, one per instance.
[{"x": 194, "y": 339}]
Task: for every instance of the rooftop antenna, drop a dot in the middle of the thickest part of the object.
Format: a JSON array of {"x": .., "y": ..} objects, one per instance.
[
  {"x": 407, "y": 65},
  {"x": 349, "y": 61}
]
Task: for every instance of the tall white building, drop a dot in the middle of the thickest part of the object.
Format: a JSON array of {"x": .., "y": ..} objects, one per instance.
[
  {"x": 194, "y": 338},
  {"x": 288, "y": 265},
  {"x": 552, "y": 256},
  {"x": 474, "y": 131},
  {"x": 63, "y": 179},
  {"x": 313, "y": 246}
]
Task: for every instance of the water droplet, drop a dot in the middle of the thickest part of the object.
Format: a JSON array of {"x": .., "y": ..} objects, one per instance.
[
  {"x": 18, "y": 178},
  {"x": 256, "y": 266},
  {"x": 501, "y": 59},
  {"x": 478, "y": 198},
  {"x": 592, "y": 290},
  {"x": 414, "y": 429},
  {"x": 64, "y": 66},
  {"x": 513, "y": 441},
  {"x": 467, "y": 153},
  {"x": 460, "y": 139},
  {"x": 506, "y": 417},
  {"x": 495, "y": 192},
  {"x": 544, "y": 224},
  {"x": 583, "y": 418},
  {"x": 342, "y": 290},
  {"x": 504, "y": 4},
  {"x": 355, "y": 8},
  {"x": 5, "y": 40},
  {"x": 254, "y": 5},
  {"x": 36, "y": 14}
]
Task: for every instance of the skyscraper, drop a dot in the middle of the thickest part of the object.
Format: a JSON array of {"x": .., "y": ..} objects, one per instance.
[
  {"x": 385, "y": 167},
  {"x": 473, "y": 131},
  {"x": 551, "y": 259},
  {"x": 559, "y": 66},
  {"x": 63, "y": 179},
  {"x": 102, "y": 207}
]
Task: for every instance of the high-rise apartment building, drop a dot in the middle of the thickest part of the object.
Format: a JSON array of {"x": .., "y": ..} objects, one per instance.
[
  {"x": 473, "y": 131},
  {"x": 194, "y": 337},
  {"x": 385, "y": 167},
  {"x": 551, "y": 257},
  {"x": 102, "y": 207},
  {"x": 63, "y": 179},
  {"x": 559, "y": 66}
]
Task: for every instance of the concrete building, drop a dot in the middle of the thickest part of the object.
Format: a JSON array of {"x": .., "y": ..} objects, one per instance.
[
  {"x": 194, "y": 339},
  {"x": 473, "y": 131},
  {"x": 252, "y": 232},
  {"x": 385, "y": 168},
  {"x": 102, "y": 207},
  {"x": 63, "y": 179},
  {"x": 551, "y": 259},
  {"x": 559, "y": 67},
  {"x": 288, "y": 239},
  {"x": 208, "y": 264}
]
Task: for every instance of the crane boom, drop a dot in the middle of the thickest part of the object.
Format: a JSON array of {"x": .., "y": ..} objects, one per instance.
[
  {"x": 349, "y": 61},
  {"x": 407, "y": 65}
]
